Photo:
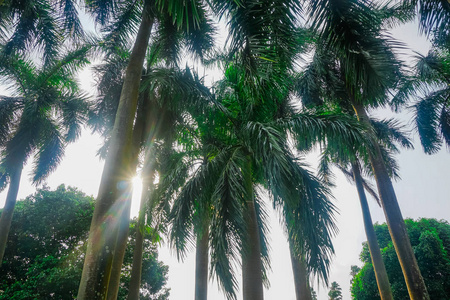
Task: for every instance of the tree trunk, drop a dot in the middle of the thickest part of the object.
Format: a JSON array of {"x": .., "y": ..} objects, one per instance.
[
  {"x": 8, "y": 210},
  {"x": 136, "y": 271},
  {"x": 384, "y": 286},
  {"x": 116, "y": 175},
  {"x": 301, "y": 282},
  {"x": 397, "y": 229},
  {"x": 121, "y": 247},
  {"x": 251, "y": 258},
  {"x": 201, "y": 264}
]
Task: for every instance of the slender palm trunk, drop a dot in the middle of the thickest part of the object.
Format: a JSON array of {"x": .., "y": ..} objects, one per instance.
[
  {"x": 251, "y": 258},
  {"x": 115, "y": 178},
  {"x": 136, "y": 271},
  {"x": 8, "y": 210},
  {"x": 201, "y": 264},
  {"x": 397, "y": 229},
  {"x": 301, "y": 282},
  {"x": 375, "y": 253},
  {"x": 121, "y": 247}
]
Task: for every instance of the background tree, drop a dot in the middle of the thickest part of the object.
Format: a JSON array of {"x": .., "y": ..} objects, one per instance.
[
  {"x": 44, "y": 258},
  {"x": 335, "y": 292},
  {"x": 431, "y": 243}
]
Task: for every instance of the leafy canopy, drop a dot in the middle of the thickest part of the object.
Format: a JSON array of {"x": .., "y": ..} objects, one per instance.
[{"x": 45, "y": 252}]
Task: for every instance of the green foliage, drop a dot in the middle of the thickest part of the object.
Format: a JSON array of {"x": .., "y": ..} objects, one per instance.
[
  {"x": 430, "y": 240},
  {"x": 45, "y": 252},
  {"x": 335, "y": 292}
]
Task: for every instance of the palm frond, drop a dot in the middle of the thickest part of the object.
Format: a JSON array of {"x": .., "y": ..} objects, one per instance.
[
  {"x": 310, "y": 223},
  {"x": 332, "y": 128},
  {"x": 169, "y": 40},
  {"x": 445, "y": 124},
  {"x": 74, "y": 109},
  {"x": 71, "y": 22},
  {"x": 352, "y": 30},
  {"x": 60, "y": 72},
  {"x": 102, "y": 10},
  {"x": 263, "y": 231},
  {"x": 125, "y": 24},
  {"x": 20, "y": 72},
  {"x": 434, "y": 16},
  {"x": 228, "y": 224},
  {"x": 48, "y": 34},
  {"x": 50, "y": 151},
  {"x": 390, "y": 131},
  {"x": 261, "y": 32},
  {"x": 9, "y": 112},
  {"x": 427, "y": 112}
]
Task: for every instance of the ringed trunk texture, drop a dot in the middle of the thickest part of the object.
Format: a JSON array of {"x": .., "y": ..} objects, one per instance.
[
  {"x": 301, "y": 282},
  {"x": 384, "y": 286},
  {"x": 115, "y": 179},
  {"x": 251, "y": 258},
  {"x": 397, "y": 229},
  {"x": 8, "y": 210},
  {"x": 201, "y": 265}
]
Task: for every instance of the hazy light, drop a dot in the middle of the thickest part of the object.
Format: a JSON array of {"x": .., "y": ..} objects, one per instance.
[{"x": 136, "y": 197}]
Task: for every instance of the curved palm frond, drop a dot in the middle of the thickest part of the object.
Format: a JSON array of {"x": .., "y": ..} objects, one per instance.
[
  {"x": 434, "y": 16},
  {"x": 126, "y": 22},
  {"x": 327, "y": 127},
  {"x": 74, "y": 109},
  {"x": 228, "y": 225},
  {"x": 431, "y": 114},
  {"x": 50, "y": 150},
  {"x": 310, "y": 223},
  {"x": 9, "y": 113},
  {"x": 430, "y": 111}
]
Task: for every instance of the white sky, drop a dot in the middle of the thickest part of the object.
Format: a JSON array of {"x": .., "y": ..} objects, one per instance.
[{"x": 423, "y": 192}]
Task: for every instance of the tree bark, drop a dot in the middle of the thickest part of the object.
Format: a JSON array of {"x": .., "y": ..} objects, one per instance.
[
  {"x": 121, "y": 247},
  {"x": 201, "y": 264},
  {"x": 8, "y": 210},
  {"x": 397, "y": 229},
  {"x": 116, "y": 175},
  {"x": 301, "y": 282},
  {"x": 251, "y": 258},
  {"x": 381, "y": 276},
  {"x": 136, "y": 271}
]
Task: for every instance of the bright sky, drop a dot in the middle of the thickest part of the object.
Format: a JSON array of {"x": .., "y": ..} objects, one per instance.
[{"x": 423, "y": 192}]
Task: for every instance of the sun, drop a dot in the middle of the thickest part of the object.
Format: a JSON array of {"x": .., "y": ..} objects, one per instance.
[{"x": 136, "y": 197}]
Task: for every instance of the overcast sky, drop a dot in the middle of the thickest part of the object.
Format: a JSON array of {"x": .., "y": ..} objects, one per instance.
[{"x": 423, "y": 192}]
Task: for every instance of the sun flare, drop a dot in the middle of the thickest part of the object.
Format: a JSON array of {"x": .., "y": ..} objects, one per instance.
[{"x": 136, "y": 198}]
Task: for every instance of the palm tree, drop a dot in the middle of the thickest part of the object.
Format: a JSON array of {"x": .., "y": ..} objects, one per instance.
[
  {"x": 45, "y": 114},
  {"x": 387, "y": 132},
  {"x": 365, "y": 63},
  {"x": 247, "y": 146},
  {"x": 100, "y": 250}
]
